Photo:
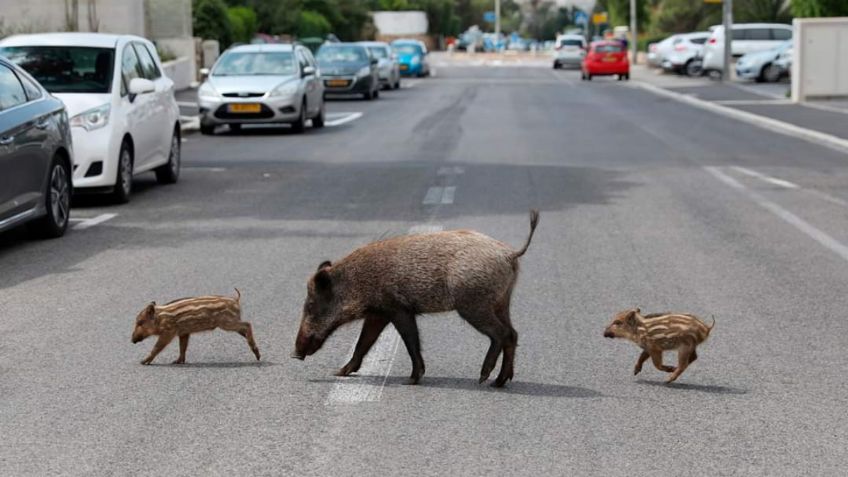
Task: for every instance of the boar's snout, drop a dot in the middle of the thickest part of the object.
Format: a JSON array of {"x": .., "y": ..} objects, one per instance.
[{"x": 306, "y": 345}]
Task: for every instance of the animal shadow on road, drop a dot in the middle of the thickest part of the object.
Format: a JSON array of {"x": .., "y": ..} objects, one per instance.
[
  {"x": 704, "y": 388},
  {"x": 235, "y": 364},
  {"x": 521, "y": 388}
]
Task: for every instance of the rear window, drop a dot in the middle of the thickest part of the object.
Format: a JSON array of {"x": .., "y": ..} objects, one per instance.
[
  {"x": 698, "y": 41},
  {"x": 66, "y": 69},
  {"x": 573, "y": 42},
  {"x": 781, "y": 34},
  {"x": 759, "y": 34},
  {"x": 609, "y": 48}
]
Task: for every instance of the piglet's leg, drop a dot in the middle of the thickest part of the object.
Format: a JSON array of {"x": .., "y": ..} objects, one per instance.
[
  {"x": 684, "y": 357},
  {"x": 639, "y": 362},
  {"x": 656, "y": 358},
  {"x": 183, "y": 348},
  {"x": 371, "y": 329},
  {"x": 243, "y": 328},
  {"x": 161, "y": 343}
]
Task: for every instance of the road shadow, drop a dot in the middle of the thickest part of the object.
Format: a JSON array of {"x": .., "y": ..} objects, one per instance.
[
  {"x": 234, "y": 364},
  {"x": 704, "y": 388}
]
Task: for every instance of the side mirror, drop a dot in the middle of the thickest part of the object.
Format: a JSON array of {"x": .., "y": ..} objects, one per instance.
[
  {"x": 308, "y": 71},
  {"x": 141, "y": 86},
  {"x": 204, "y": 73},
  {"x": 374, "y": 61}
]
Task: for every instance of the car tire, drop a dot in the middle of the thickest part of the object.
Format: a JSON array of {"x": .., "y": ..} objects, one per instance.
[
  {"x": 300, "y": 124},
  {"x": 369, "y": 95},
  {"x": 693, "y": 68},
  {"x": 627, "y": 77},
  {"x": 377, "y": 93},
  {"x": 770, "y": 74},
  {"x": 397, "y": 83},
  {"x": 207, "y": 129},
  {"x": 57, "y": 201},
  {"x": 318, "y": 121},
  {"x": 588, "y": 77},
  {"x": 556, "y": 65},
  {"x": 124, "y": 177},
  {"x": 170, "y": 173}
]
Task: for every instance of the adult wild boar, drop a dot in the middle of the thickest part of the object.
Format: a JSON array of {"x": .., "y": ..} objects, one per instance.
[{"x": 393, "y": 280}]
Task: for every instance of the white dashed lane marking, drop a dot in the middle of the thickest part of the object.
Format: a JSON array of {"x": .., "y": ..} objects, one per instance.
[
  {"x": 439, "y": 195},
  {"x": 337, "y": 119},
  {"x": 85, "y": 223}
]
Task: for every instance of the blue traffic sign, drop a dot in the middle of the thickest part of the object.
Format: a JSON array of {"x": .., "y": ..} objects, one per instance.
[
  {"x": 581, "y": 17},
  {"x": 489, "y": 17}
]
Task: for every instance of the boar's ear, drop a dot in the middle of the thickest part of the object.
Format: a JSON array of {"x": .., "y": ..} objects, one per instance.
[
  {"x": 323, "y": 282},
  {"x": 325, "y": 264}
]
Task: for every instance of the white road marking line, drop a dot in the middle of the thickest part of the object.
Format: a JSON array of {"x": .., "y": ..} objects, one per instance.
[
  {"x": 450, "y": 170},
  {"x": 810, "y": 230},
  {"x": 346, "y": 118},
  {"x": 765, "y": 178},
  {"x": 88, "y": 223},
  {"x": 371, "y": 378},
  {"x": 752, "y": 102},
  {"x": 187, "y": 104},
  {"x": 408, "y": 84},
  {"x": 439, "y": 195},
  {"x": 205, "y": 169},
  {"x": 824, "y": 107},
  {"x": 433, "y": 72}
]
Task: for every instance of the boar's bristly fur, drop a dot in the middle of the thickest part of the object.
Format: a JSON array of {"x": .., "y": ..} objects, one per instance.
[{"x": 393, "y": 280}]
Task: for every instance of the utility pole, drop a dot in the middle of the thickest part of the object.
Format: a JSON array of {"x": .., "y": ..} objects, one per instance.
[
  {"x": 633, "y": 43},
  {"x": 727, "y": 15},
  {"x": 497, "y": 20}
]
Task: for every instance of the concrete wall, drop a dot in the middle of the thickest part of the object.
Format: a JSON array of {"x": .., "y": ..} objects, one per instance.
[
  {"x": 820, "y": 63},
  {"x": 37, "y": 16},
  {"x": 168, "y": 19},
  {"x": 181, "y": 71},
  {"x": 400, "y": 23}
]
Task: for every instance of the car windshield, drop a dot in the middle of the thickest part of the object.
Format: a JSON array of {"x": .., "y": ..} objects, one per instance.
[
  {"x": 341, "y": 54},
  {"x": 570, "y": 43},
  {"x": 63, "y": 69},
  {"x": 378, "y": 52},
  {"x": 609, "y": 48},
  {"x": 407, "y": 49},
  {"x": 279, "y": 63}
]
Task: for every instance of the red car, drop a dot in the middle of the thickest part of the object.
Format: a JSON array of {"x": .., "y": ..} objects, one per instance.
[{"x": 606, "y": 58}]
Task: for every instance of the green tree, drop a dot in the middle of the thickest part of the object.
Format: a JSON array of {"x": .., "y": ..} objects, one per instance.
[
  {"x": 311, "y": 23},
  {"x": 761, "y": 11},
  {"x": 210, "y": 21},
  {"x": 244, "y": 23},
  {"x": 678, "y": 16},
  {"x": 619, "y": 12},
  {"x": 819, "y": 8}
]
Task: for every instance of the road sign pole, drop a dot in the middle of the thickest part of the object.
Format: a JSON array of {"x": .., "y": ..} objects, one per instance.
[
  {"x": 728, "y": 39},
  {"x": 633, "y": 43},
  {"x": 497, "y": 19}
]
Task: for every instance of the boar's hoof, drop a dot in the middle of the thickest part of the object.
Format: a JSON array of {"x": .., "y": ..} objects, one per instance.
[
  {"x": 146, "y": 362},
  {"x": 411, "y": 381},
  {"x": 482, "y": 379},
  {"x": 178, "y": 361},
  {"x": 343, "y": 371}
]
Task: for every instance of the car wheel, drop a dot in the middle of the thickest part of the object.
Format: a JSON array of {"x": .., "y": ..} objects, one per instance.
[
  {"x": 694, "y": 68},
  {"x": 627, "y": 76},
  {"x": 369, "y": 95},
  {"x": 207, "y": 129},
  {"x": 57, "y": 201},
  {"x": 556, "y": 65},
  {"x": 588, "y": 77},
  {"x": 376, "y": 93},
  {"x": 300, "y": 124},
  {"x": 318, "y": 121},
  {"x": 123, "y": 179},
  {"x": 621, "y": 77},
  {"x": 170, "y": 172},
  {"x": 771, "y": 73},
  {"x": 397, "y": 82}
]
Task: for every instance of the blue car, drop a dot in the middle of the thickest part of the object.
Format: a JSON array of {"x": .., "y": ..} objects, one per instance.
[{"x": 412, "y": 57}]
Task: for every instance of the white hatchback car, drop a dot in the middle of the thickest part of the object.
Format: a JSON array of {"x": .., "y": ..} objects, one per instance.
[
  {"x": 747, "y": 38},
  {"x": 124, "y": 117}
]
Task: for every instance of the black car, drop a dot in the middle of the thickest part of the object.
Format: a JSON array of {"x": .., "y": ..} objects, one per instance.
[
  {"x": 348, "y": 68},
  {"x": 35, "y": 155}
]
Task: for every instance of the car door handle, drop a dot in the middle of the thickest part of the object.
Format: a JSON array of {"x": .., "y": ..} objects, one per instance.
[{"x": 6, "y": 140}]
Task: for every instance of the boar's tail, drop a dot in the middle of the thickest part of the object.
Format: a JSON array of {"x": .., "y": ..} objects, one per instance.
[
  {"x": 238, "y": 294},
  {"x": 534, "y": 221}
]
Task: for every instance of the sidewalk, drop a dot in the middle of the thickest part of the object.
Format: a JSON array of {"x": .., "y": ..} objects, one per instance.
[{"x": 767, "y": 100}]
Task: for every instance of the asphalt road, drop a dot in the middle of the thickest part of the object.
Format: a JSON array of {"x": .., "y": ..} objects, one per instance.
[{"x": 644, "y": 202}]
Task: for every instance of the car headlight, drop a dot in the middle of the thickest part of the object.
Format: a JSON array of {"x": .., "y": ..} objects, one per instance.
[
  {"x": 286, "y": 89},
  {"x": 364, "y": 71},
  {"x": 208, "y": 92},
  {"x": 415, "y": 60},
  {"x": 94, "y": 118}
]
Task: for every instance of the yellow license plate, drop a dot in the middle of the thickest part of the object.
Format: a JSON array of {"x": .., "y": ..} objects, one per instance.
[
  {"x": 244, "y": 108},
  {"x": 404, "y": 67},
  {"x": 337, "y": 82}
]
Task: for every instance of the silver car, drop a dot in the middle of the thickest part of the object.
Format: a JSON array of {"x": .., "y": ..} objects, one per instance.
[
  {"x": 388, "y": 67},
  {"x": 266, "y": 83},
  {"x": 765, "y": 65}
]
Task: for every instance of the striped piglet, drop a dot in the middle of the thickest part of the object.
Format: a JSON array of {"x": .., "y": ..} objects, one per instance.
[
  {"x": 659, "y": 332},
  {"x": 190, "y": 315}
]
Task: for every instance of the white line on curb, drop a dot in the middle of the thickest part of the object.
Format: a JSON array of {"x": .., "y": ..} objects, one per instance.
[
  {"x": 765, "y": 178},
  {"x": 368, "y": 385},
  {"x": 752, "y": 102},
  {"x": 811, "y": 231},
  {"x": 88, "y": 223},
  {"x": 346, "y": 118},
  {"x": 815, "y": 137}
]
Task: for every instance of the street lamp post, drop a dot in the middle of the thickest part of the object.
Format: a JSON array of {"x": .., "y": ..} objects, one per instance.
[
  {"x": 633, "y": 43},
  {"x": 497, "y": 20},
  {"x": 727, "y": 15}
]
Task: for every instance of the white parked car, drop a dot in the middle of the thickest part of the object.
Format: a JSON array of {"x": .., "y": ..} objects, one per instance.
[
  {"x": 685, "y": 53},
  {"x": 388, "y": 67},
  {"x": 124, "y": 117},
  {"x": 747, "y": 38},
  {"x": 765, "y": 65},
  {"x": 569, "y": 50},
  {"x": 659, "y": 50}
]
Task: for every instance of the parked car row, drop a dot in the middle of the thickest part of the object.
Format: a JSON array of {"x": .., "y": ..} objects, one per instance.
[
  {"x": 763, "y": 49},
  {"x": 81, "y": 112},
  {"x": 286, "y": 84}
]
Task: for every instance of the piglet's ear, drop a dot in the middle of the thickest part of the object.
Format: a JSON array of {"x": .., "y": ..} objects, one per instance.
[
  {"x": 631, "y": 316},
  {"x": 323, "y": 282},
  {"x": 325, "y": 264},
  {"x": 150, "y": 310}
]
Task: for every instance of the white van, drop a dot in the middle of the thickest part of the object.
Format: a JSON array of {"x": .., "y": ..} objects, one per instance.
[{"x": 747, "y": 38}]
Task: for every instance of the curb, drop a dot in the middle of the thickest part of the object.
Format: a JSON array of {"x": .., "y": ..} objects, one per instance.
[
  {"x": 189, "y": 123},
  {"x": 810, "y": 135}
]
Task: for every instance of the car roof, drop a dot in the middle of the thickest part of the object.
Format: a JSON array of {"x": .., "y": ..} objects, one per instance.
[
  {"x": 404, "y": 41},
  {"x": 570, "y": 36},
  {"x": 374, "y": 43},
  {"x": 94, "y": 40},
  {"x": 742, "y": 26},
  {"x": 262, "y": 47},
  {"x": 342, "y": 43}
]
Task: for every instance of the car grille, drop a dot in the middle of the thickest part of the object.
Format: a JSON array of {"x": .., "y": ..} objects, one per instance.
[
  {"x": 264, "y": 113},
  {"x": 242, "y": 95}
]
